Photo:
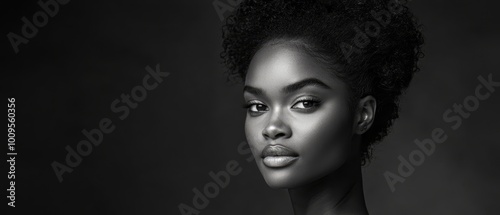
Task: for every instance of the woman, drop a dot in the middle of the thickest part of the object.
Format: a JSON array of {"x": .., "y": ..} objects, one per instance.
[{"x": 321, "y": 86}]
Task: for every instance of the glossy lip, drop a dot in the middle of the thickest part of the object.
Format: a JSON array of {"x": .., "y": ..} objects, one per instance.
[{"x": 276, "y": 156}]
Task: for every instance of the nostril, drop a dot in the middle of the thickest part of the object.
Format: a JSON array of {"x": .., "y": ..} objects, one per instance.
[
  {"x": 279, "y": 135},
  {"x": 274, "y": 131},
  {"x": 274, "y": 135}
]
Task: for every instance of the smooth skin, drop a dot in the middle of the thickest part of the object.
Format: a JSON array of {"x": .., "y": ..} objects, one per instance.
[{"x": 294, "y": 100}]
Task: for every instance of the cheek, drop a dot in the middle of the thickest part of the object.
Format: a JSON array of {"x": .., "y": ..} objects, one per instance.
[
  {"x": 252, "y": 133},
  {"x": 324, "y": 137}
]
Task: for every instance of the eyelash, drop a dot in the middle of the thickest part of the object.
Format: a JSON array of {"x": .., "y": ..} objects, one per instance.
[
  {"x": 316, "y": 103},
  {"x": 248, "y": 105}
]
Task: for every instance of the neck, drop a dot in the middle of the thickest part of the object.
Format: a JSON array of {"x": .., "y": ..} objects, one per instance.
[{"x": 336, "y": 194}]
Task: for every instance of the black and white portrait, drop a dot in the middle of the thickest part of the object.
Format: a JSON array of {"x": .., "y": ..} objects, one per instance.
[{"x": 299, "y": 107}]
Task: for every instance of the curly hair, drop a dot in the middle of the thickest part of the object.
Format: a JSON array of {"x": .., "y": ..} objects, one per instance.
[{"x": 374, "y": 46}]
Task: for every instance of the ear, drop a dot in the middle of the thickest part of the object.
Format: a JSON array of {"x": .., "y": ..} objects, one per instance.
[{"x": 365, "y": 114}]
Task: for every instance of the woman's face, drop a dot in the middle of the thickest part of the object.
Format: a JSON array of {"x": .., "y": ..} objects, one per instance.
[{"x": 298, "y": 122}]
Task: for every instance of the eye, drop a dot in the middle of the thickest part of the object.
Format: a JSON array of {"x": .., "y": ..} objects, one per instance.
[
  {"x": 306, "y": 104},
  {"x": 255, "y": 107}
]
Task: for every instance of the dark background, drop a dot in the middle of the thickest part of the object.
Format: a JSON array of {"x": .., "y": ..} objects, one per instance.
[{"x": 91, "y": 52}]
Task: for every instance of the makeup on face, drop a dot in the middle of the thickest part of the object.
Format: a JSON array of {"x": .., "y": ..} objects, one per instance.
[
  {"x": 298, "y": 123},
  {"x": 276, "y": 156}
]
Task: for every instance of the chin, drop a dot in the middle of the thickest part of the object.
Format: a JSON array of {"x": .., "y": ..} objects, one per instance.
[
  {"x": 280, "y": 183},
  {"x": 283, "y": 178},
  {"x": 298, "y": 175}
]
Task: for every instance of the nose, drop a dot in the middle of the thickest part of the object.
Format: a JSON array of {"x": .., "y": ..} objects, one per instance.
[{"x": 276, "y": 128}]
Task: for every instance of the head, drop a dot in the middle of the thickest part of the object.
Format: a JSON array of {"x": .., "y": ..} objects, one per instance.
[{"x": 322, "y": 81}]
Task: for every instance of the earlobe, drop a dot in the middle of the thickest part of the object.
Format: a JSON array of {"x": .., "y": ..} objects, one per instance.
[{"x": 367, "y": 107}]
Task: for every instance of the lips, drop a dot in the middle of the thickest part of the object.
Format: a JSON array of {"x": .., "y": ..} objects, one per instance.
[{"x": 276, "y": 156}]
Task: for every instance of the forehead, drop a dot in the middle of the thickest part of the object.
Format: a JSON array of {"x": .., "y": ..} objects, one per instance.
[{"x": 284, "y": 63}]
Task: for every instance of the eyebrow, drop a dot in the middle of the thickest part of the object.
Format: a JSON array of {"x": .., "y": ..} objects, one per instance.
[{"x": 290, "y": 88}]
